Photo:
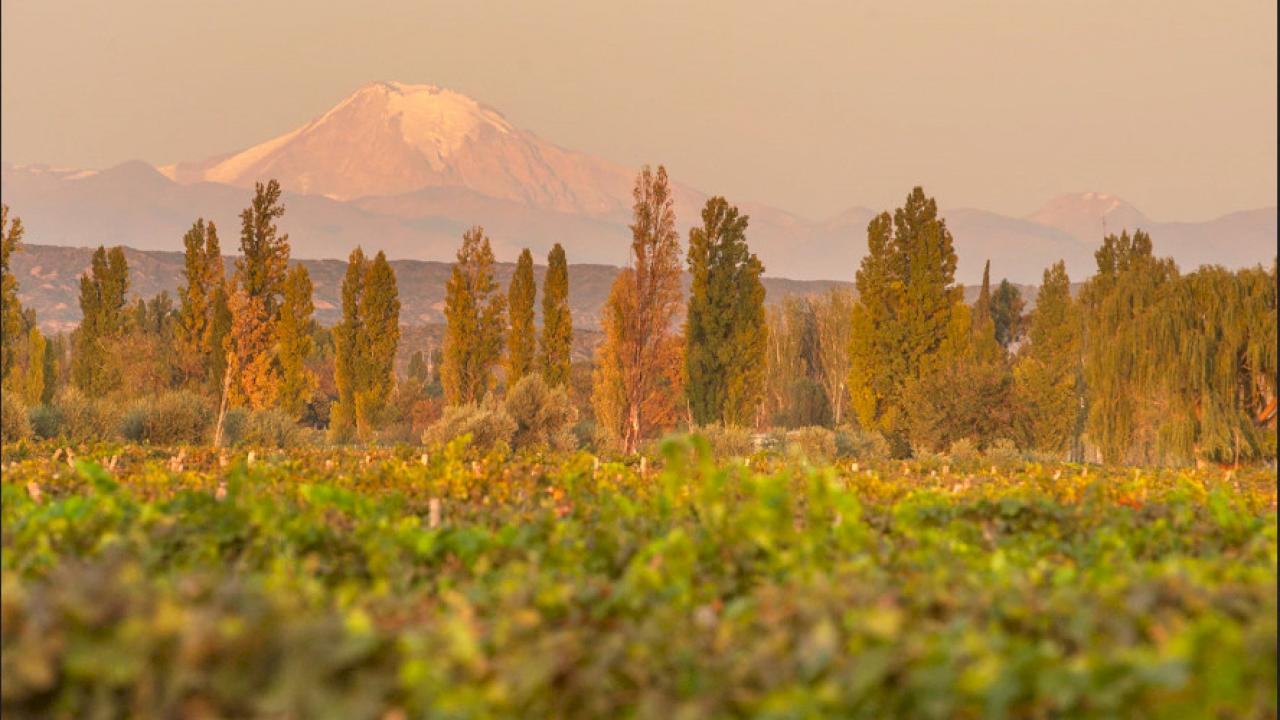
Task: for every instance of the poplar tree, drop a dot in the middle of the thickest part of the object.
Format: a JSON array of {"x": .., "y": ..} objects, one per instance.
[
  {"x": 294, "y": 342},
  {"x": 474, "y": 312},
  {"x": 255, "y": 300},
  {"x": 521, "y": 343},
  {"x": 10, "y": 308},
  {"x": 906, "y": 294},
  {"x": 95, "y": 367},
  {"x": 1048, "y": 369},
  {"x": 725, "y": 325},
  {"x": 556, "y": 340},
  {"x": 380, "y": 322},
  {"x": 349, "y": 347},
  {"x": 196, "y": 296},
  {"x": 35, "y": 380},
  {"x": 637, "y": 376}
]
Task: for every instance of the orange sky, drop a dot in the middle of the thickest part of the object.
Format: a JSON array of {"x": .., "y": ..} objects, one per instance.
[{"x": 809, "y": 106}]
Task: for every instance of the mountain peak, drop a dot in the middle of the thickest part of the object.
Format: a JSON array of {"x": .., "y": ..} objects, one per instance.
[
  {"x": 1088, "y": 216},
  {"x": 393, "y": 138}
]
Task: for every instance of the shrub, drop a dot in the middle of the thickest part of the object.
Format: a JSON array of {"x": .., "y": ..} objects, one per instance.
[
  {"x": 813, "y": 443},
  {"x": 272, "y": 428},
  {"x": 46, "y": 421},
  {"x": 543, "y": 416},
  {"x": 727, "y": 442},
  {"x": 180, "y": 417},
  {"x": 862, "y": 445},
  {"x": 488, "y": 423},
  {"x": 963, "y": 451},
  {"x": 233, "y": 426},
  {"x": 133, "y": 423},
  {"x": 85, "y": 419},
  {"x": 14, "y": 425},
  {"x": 1003, "y": 451}
]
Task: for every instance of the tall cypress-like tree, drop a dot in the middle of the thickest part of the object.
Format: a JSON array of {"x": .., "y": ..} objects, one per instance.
[
  {"x": 294, "y": 342},
  {"x": 521, "y": 343},
  {"x": 556, "y": 340},
  {"x": 473, "y": 311},
  {"x": 637, "y": 376},
  {"x": 1006, "y": 313},
  {"x": 103, "y": 291},
  {"x": 725, "y": 326},
  {"x": 380, "y": 321},
  {"x": 906, "y": 294},
  {"x": 349, "y": 347},
  {"x": 196, "y": 295},
  {"x": 10, "y": 309},
  {"x": 255, "y": 300},
  {"x": 33, "y": 386},
  {"x": 213, "y": 344}
]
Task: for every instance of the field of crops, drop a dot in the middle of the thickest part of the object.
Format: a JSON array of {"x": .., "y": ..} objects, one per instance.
[{"x": 387, "y": 584}]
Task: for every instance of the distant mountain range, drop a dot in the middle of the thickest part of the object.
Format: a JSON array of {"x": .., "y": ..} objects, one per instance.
[{"x": 407, "y": 168}]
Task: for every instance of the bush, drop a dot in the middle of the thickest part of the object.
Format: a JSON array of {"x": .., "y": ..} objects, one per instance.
[
  {"x": 85, "y": 419},
  {"x": 14, "y": 425},
  {"x": 543, "y": 416},
  {"x": 133, "y": 424},
  {"x": 271, "y": 428},
  {"x": 963, "y": 451},
  {"x": 180, "y": 417},
  {"x": 814, "y": 443},
  {"x": 488, "y": 423},
  {"x": 233, "y": 424},
  {"x": 1003, "y": 451},
  {"x": 727, "y": 442},
  {"x": 862, "y": 445},
  {"x": 46, "y": 421}
]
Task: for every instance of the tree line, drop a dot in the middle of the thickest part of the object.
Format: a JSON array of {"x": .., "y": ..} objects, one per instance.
[{"x": 1143, "y": 365}]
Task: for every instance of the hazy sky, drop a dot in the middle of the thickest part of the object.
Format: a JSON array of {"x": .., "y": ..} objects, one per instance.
[{"x": 810, "y": 106}]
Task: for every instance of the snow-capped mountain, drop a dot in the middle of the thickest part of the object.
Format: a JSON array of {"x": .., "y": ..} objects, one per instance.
[
  {"x": 389, "y": 138},
  {"x": 407, "y": 168}
]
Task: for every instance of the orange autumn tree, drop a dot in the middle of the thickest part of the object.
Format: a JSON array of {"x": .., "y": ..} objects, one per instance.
[
  {"x": 253, "y": 369},
  {"x": 637, "y": 380}
]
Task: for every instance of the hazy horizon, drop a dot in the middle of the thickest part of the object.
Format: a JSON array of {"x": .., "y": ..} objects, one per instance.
[{"x": 813, "y": 109}]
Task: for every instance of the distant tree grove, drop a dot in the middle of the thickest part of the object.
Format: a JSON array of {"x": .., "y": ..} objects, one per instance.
[{"x": 1140, "y": 364}]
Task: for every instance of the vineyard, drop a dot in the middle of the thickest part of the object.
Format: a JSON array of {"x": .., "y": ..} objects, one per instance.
[{"x": 148, "y": 582}]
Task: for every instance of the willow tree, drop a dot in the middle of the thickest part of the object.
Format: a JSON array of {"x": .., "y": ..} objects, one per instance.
[
  {"x": 521, "y": 341},
  {"x": 1048, "y": 369},
  {"x": 1120, "y": 302},
  {"x": 725, "y": 326},
  {"x": 1212, "y": 347},
  {"x": 473, "y": 310},
  {"x": 637, "y": 376},
  {"x": 906, "y": 292},
  {"x": 555, "y": 344}
]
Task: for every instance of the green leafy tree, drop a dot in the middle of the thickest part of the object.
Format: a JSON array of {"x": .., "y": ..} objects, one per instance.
[
  {"x": 1006, "y": 312},
  {"x": 349, "y": 347},
  {"x": 725, "y": 332},
  {"x": 294, "y": 342},
  {"x": 906, "y": 294},
  {"x": 380, "y": 321},
  {"x": 556, "y": 340},
  {"x": 11, "y": 323},
  {"x": 521, "y": 342},
  {"x": 1048, "y": 370},
  {"x": 196, "y": 298},
  {"x": 95, "y": 365},
  {"x": 33, "y": 386},
  {"x": 473, "y": 311}
]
